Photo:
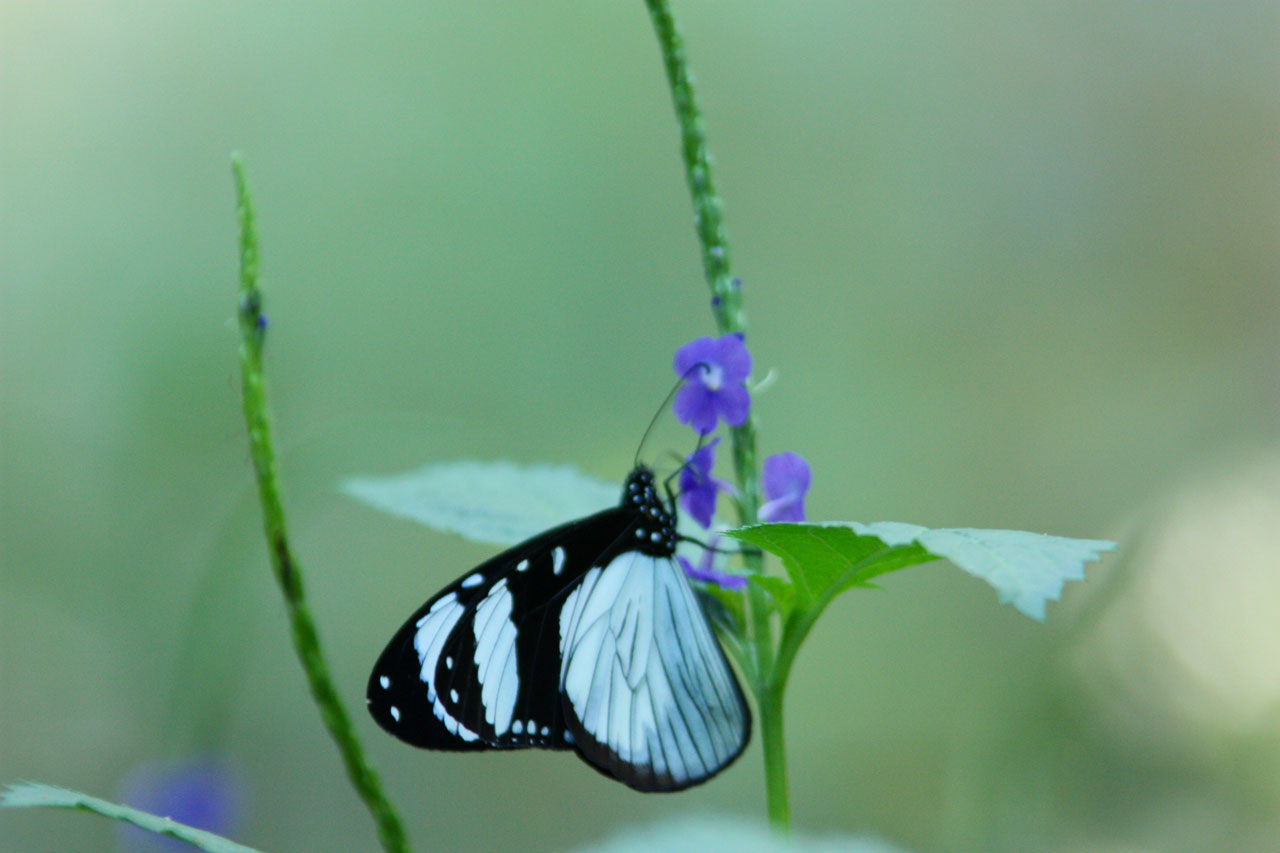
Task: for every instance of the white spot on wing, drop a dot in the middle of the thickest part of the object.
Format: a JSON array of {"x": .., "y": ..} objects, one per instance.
[
  {"x": 441, "y": 603},
  {"x": 496, "y": 657},
  {"x": 384, "y": 681},
  {"x": 517, "y": 728},
  {"x": 395, "y": 713},
  {"x": 433, "y": 630},
  {"x": 472, "y": 580},
  {"x": 522, "y": 566},
  {"x": 557, "y": 561}
]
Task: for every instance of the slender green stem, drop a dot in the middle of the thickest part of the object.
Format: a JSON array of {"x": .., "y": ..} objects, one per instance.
[
  {"x": 708, "y": 209},
  {"x": 726, "y": 304},
  {"x": 775, "y": 755},
  {"x": 306, "y": 641},
  {"x": 794, "y": 630}
]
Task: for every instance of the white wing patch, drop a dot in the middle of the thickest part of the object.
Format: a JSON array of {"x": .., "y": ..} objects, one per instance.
[
  {"x": 642, "y": 673},
  {"x": 433, "y": 630},
  {"x": 496, "y": 657}
]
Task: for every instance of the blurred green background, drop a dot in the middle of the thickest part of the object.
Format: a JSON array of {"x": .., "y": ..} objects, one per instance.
[{"x": 1015, "y": 265}]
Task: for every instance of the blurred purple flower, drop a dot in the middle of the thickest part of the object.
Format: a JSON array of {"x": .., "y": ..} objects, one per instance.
[
  {"x": 698, "y": 489},
  {"x": 785, "y": 478},
  {"x": 706, "y": 572},
  {"x": 715, "y": 371},
  {"x": 203, "y": 792}
]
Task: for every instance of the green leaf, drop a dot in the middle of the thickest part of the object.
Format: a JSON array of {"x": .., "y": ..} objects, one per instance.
[
  {"x": 781, "y": 591},
  {"x": 722, "y": 607},
  {"x": 1026, "y": 569},
  {"x": 825, "y": 560},
  {"x": 491, "y": 502},
  {"x": 34, "y": 795}
]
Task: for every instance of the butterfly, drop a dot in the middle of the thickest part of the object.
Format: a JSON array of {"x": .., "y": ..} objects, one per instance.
[{"x": 586, "y": 637}]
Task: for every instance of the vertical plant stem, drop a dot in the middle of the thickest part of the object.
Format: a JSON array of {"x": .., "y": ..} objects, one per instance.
[
  {"x": 775, "y": 754},
  {"x": 726, "y": 305},
  {"x": 306, "y": 640},
  {"x": 708, "y": 209}
]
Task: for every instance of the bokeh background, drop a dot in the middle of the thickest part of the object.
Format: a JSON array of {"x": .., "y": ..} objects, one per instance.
[{"x": 1014, "y": 264}]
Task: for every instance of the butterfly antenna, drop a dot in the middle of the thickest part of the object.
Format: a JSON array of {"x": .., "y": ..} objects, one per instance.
[
  {"x": 702, "y": 365},
  {"x": 684, "y": 463},
  {"x": 742, "y": 547}
]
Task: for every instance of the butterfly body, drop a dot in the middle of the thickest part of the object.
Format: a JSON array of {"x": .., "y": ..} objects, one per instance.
[{"x": 585, "y": 637}]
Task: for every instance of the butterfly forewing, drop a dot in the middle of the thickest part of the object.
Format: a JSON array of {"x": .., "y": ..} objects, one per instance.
[
  {"x": 469, "y": 669},
  {"x": 587, "y": 636}
]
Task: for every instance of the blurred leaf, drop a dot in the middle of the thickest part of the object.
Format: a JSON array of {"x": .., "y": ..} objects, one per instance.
[
  {"x": 34, "y": 795},
  {"x": 491, "y": 502},
  {"x": 1026, "y": 569},
  {"x": 697, "y": 834}
]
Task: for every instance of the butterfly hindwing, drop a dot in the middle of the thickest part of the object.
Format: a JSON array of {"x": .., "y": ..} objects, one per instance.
[
  {"x": 588, "y": 637},
  {"x": 647, "y": 691}
]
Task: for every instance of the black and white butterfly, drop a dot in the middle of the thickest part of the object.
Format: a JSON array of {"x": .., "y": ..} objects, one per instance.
[{"x": 585, "y": 637}]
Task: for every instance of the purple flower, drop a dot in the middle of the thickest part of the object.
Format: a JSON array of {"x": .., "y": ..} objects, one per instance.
[
  {"x": 715, "y": 372},
  {"x": 706, "y": 571},
  {"x": 786, "y": 480},
  {"x": 202, "y": 792},
  {"x": 698, "y": 489}
]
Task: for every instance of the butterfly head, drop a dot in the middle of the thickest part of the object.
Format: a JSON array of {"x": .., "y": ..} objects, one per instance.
[{"x": 655, "y": 526}]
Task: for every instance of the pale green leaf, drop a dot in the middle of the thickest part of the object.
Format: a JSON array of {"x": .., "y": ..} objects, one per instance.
[
  {"x": 701, "y": 833},
  {"x": 1027, "y": 569},
  {"x": 492, "y": 502},
  {"x": 35, "y": 795}
]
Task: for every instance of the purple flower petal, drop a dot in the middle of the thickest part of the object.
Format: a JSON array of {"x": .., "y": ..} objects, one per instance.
[
  {"x": 734, "y": 358},
  {"x": 697, "y": 351},
  {"x": 785, "y": 473},
  {"x": 714, "y": 371},
  {"x": 204, "y": 792},
  {"x": 733, "y": 403},
  {"x": 700, "y": 504},
  {"x": 706, "y": 574},
  {"x": 695, "y": 405},
  {"x": 698, "y": 489},
  {"x": 785, "y": 478}
]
